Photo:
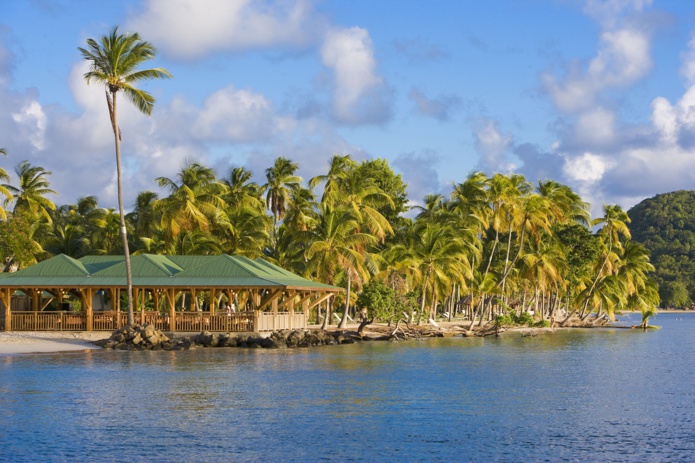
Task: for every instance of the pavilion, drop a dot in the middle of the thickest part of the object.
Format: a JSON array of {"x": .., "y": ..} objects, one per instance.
[{"x": 175, "y": 293}]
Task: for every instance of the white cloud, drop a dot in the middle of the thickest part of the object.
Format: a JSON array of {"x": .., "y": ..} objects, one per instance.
[
  {"x": 359, "y": 94},
  {"x": 608, "y": 12},
  {"x": 664, "y": 119},
  {"x": 596, "y": 127},
  {"x": 688, "y": 67},
  {"x": 587, "y": 168},
  {"x": 439, "y": 108},
  {"x": 196, "y": 28},
  {"x": 31, "y": 121},
  {"x": 235, "y": 115},
  {"x": 493, "y": 147},
  {"x": 622, "y": 59}
]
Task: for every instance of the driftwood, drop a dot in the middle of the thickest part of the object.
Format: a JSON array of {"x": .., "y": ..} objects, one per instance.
[{"x": 365, "y": 321}]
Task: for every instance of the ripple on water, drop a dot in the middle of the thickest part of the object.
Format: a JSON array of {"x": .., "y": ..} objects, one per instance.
[{"x": 586, "y": 395}]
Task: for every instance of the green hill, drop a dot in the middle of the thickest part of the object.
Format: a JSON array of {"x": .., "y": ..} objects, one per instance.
[{"x": 665, "y": 224}]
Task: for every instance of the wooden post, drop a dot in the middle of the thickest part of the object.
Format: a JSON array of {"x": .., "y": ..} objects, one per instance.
[
  {"x": 87, "y": 296},
  {"x": 305, "y": 310},
  {"x": 212, "y": 301},
  {"x": 7, "y": 300},
  {"x": 171, "y": 296},
  {"x": 35, "y": 299},
  {"x": 290, "y": 310},
  {"x": 256, "y": 319},
  {"x": 138, "y": 303},
  {"x": 274, "y": 306}
]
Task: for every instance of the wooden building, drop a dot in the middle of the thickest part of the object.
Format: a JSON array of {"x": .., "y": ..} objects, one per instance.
[{"x": 175, "y": 293}]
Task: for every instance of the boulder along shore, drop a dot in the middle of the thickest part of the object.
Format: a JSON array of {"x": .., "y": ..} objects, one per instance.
[{"x": 148, "y": 338}]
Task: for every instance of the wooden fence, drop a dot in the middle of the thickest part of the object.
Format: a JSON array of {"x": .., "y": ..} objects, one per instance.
[{"x": 183, "y": 321}]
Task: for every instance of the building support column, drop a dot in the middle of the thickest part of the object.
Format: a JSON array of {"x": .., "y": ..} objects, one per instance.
[
  {"x": 171, "y": 297},
  {"x": 87, "y": 296},
  {"x": 7, "y": 301}
]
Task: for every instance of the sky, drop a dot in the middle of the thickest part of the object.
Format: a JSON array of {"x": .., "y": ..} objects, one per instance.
[{"x": 598, "y": 95}]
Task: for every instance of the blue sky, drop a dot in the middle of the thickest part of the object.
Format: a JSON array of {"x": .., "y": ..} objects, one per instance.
[{"x": 599, "y": 95}]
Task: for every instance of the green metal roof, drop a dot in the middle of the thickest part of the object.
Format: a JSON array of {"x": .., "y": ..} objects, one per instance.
[{"x": 151, "y": 270}]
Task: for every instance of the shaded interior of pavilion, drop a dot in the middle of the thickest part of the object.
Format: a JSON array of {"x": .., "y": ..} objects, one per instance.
[{"x": 175, "y": 293}]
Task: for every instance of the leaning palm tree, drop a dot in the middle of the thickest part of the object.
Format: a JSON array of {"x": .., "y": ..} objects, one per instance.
[{"x": 114, "y": 63}]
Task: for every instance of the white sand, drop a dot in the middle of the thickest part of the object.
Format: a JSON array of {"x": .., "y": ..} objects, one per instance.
[{"x": 25, "y": 342}]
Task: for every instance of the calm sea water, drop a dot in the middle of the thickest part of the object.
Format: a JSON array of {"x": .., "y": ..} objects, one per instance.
[{"x": 584, "y": 395}]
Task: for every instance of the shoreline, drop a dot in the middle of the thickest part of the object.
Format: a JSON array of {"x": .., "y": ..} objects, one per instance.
[{"x": 41, "y": 342}]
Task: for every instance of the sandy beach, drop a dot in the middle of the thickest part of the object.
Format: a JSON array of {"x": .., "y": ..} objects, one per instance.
[{"x": 26, "y": 342}]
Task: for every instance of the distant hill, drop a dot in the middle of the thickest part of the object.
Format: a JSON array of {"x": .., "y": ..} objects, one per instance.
[{"x": 665, "y": 224}]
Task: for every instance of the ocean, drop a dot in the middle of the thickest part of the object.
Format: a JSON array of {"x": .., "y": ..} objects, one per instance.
[{"x": 609, "y": 395}]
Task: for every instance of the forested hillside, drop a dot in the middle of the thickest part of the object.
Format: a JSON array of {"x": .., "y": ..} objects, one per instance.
[{"x": 665, "y": 225}]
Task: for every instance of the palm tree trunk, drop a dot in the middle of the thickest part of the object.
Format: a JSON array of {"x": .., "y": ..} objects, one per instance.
[
  {"x": 343, "y": 321},
  {"x": 124, "y": 235},
  {"x": 424, "y": 291},
  {"x": 474, "y": 312},
  {"x": 327, "y": 315}
]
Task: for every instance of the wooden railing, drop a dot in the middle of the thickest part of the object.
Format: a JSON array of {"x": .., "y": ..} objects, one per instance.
[
  {"x": 283, "y": 321},
  {"x": 48, "y": 321},
  {"x": 184, "y": 321},
  {"x": 218, "y": 321}
]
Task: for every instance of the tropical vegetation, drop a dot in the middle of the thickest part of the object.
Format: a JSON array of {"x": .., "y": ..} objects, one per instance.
[
  {"x": 665, "y": 225},
  {"x": 498, "y": 248}
]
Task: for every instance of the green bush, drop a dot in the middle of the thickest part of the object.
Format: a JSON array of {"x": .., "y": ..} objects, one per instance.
[
  {"x": 524, "y": 318},
  {"x": 542, "y": 324},
  {"x": 503, "y": 320}
]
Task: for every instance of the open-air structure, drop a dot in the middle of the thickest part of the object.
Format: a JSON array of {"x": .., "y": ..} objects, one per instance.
[{"x": 175, "y": 293}]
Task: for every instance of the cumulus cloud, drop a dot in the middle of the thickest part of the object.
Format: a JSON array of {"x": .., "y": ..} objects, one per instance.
[
  {"x": 493, "y": 147},
  {"x": 622, "y": 59},
  {"x": 31, "y": 121},
  {"x": 439, "y": 108},
  {"x": 360, "y": 94},
  {"x": 196, "y": 28},
  {"x": 420, "y": 174},
  {"x": 235, "y": 115},
  {"x": 596, "y": 127},
  {"x": 688, "y": 58}
]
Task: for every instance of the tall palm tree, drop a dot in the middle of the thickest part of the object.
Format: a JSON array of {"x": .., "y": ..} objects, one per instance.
[
  {"x": 114, "y": 63},
  {"x": 30, "y": 195},
  {"x": 281, "y": 181}
]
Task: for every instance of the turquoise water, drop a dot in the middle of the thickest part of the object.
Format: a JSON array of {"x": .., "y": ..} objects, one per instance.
[{"x": 584, "y": 395}]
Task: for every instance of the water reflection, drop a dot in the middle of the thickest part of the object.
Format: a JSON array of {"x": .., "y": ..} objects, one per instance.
[{"x": 614, "y": 395}]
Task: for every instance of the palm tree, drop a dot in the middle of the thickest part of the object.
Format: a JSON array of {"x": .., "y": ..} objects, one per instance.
[
  {"x": 441, "y": 255},
  {"x": 340, "y": 167},
  {"x": 241, "y": 191},
  {"x": 29, "y": 197},
  {"x": 337, "y": 246},
  {"x": 281, "y": 181},
  {"x": 114, "y": 63},
  {"x": 194, "y": 203},
  {"x": 144, "y": 218}
]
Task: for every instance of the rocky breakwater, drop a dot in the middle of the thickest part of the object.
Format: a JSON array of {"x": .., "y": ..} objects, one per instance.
[{"x": 148, "y": 338}]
